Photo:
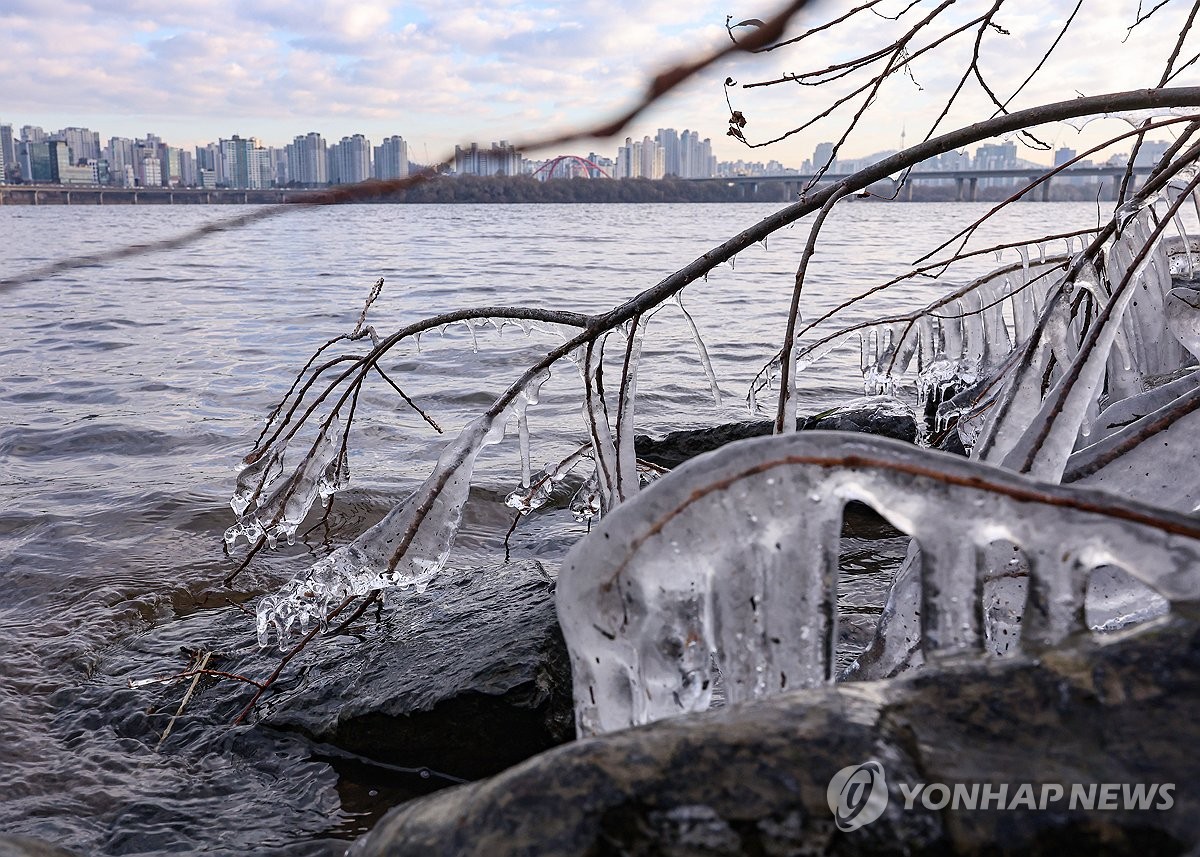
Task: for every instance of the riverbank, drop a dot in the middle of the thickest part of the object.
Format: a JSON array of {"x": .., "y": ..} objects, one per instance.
[{"x": 512, "y": 189}]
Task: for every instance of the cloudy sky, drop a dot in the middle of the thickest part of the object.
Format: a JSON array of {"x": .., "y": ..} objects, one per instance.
[{"x": 439, "y": 73}]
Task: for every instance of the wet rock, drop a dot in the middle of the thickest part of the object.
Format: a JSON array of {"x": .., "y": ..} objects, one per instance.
[
  {"x": 752, "y": 779},
  {"x": 877, "y": 415},
  {"x": 467, "y": 678}
]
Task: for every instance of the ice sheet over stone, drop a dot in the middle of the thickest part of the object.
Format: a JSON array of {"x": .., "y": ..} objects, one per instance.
[{"x": 733, "y": 559}]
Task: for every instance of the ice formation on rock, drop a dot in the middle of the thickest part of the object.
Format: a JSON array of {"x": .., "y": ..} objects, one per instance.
[{"x": 660, "y": 594}]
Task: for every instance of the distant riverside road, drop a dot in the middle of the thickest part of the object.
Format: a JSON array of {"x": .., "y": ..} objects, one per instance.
[{"x": 969, "y": 185}]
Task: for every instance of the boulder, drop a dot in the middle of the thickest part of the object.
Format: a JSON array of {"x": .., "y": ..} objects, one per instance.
[
  {"x": 467, "y": 678},
  {"x": 753, "y": 778},
  {"x": 878, "y": 415}
]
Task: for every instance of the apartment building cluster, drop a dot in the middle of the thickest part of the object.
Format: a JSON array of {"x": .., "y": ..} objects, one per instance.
[
  {"x": 76, "y": 156},
  {"x": 668, "y": 153}
]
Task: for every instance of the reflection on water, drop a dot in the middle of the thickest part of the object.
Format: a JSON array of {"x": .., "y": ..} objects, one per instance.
[{"x": 129, "y": 391}]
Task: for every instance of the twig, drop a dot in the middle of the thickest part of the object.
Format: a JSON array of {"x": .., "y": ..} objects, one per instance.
[
  {"x": 258, "y": 545},
  {"x": 407, "y": 400},
  {"x": 508, "y": 535},
  {"x": 186, "y": 698},
  {"x": 291, "y": 653},
  {"x": 358, "y": 611}
]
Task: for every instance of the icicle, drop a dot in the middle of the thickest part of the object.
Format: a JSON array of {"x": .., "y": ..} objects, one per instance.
[
  {"x": 406, "y": 548},
  {"x": 586, "y": 504},
  {"x": 925, "y": 336},
  {"x": 974, "y": 340},
  {"x": 628, "y": 483},
  {"x": 527, "y": 397},
  {"x": 1051, "y": 435},
  {"x": 791, "y": 396},
  {"x": 701, "y": 350},
  {"x": 258, "y": 471},
  {"x": 335, "y": 478},
  {"x": 595, "y": 417},
  {"x": 537, "y": 493},
  {"x": 281, "y": 513},
  {"x": 474, "y": 338}
]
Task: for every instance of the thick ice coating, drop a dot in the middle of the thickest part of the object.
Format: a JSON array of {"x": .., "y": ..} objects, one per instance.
[
  {"x": 733, "y": 561},
  {"x": 406, "y": 548}
]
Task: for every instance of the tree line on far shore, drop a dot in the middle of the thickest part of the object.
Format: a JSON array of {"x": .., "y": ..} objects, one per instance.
[{"x": 526, "y": 189}]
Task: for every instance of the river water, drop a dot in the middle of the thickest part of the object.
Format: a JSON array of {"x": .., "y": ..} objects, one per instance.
[{"x": 129, "y": 391}]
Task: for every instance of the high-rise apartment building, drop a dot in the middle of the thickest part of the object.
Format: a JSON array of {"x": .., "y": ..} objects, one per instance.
[
  {"x": 210, "y": 165},
  {"x": 120, "y": 154},
  {"x": 8, "y": 151},
  {"x": 642, "y": 159},
  {"x": 501, "y": 159},
  {"x": 996, "y": 156},
  {"x": 235, "y": 162},
  {"x": 149, "y": 171},
  {"x": 350, "y": 160},
  {"x": 188, "y": 176},
  {"x": 84, "y": 144},
  {"x": 244, "y": 164},
  {"x": 279, "y": 165},
  {"x": 696, "y": 160},
  {"x": 1149, "y": 153},
  {"x": 308, "y": 160},
  {"x": 668, "y": 140},
  {"x": 823, "y": 158},
  {"x": 391, "y": 159},
  {"x": 172, "y": 166}
]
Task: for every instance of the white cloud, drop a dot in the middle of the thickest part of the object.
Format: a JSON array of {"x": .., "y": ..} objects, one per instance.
[{"x": 440, "y": 75}]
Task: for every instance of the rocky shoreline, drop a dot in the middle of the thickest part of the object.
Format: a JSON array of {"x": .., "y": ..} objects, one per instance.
[{"x": 470, "y": 681}]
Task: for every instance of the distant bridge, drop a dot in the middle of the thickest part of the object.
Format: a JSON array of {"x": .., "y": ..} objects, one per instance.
[
  {"x": 568, "y": 162},
  {"x": 56, "y": 194},
  {"x": 966, "y": 181}
]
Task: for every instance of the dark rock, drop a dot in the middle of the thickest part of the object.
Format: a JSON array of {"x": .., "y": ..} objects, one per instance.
[
  {"x": 467, "y": 678},
  {"x": 752, "y": 779},
  {"x": 877, "y": 415}
]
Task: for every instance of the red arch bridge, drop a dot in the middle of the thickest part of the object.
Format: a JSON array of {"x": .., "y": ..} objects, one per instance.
[{"x": 570, "y": 166}]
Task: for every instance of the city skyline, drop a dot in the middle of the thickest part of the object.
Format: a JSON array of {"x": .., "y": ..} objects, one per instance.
[
  {"x": 76, "y": 156},
  {"x": 194, "y": 72}
]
